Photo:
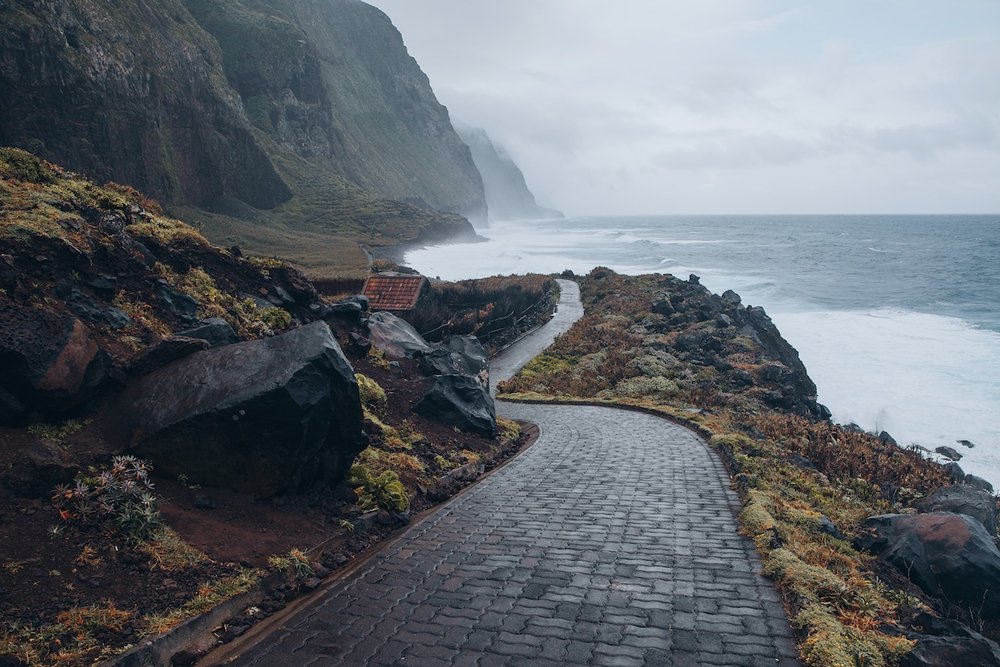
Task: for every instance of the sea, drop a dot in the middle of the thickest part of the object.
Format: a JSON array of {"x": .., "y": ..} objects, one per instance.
[{"x": 897, "y": 318}]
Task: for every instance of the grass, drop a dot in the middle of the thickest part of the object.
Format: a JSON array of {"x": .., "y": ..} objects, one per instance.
[
  {"x": 72, "y": 639},
  {"x": 620, "y": 353},
  {"x": 209, "y": 595},
  {"x": 57, "y": 433},
  {"x": 168, "y": 552}
]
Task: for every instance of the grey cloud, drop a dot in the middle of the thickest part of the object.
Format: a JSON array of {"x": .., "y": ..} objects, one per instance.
[
  {"x": 734, "y": 150},
  {"x": 922, "y": 141},
  {"x": 670, "y": 105}
]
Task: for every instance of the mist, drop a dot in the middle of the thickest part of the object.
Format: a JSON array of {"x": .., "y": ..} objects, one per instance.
[{"x": 644, "y": 107}]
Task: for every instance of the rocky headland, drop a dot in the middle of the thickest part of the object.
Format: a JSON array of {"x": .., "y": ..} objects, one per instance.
[{"x": 882, "y": 556}]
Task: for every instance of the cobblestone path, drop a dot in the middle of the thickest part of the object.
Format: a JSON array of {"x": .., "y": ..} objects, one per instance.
[{"x": 611, "y": 541}]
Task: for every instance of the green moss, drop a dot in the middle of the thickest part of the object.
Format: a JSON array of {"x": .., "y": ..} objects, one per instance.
[
  {"x": 372, "y": 395},
  {"x": 23, "y": 166}
]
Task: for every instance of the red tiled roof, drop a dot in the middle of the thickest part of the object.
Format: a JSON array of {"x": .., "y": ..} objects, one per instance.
[{"x": 393, "y": 292}]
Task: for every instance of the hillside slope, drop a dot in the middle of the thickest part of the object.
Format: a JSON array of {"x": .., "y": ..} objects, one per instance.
[{"x": 273, "y": 124}]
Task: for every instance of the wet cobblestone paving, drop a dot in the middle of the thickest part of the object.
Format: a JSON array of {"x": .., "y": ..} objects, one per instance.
[{"x": 611, "y": 541}]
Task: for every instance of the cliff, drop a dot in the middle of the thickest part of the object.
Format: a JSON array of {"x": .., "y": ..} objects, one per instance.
[
  {"x": 507, "y": 193},
  {"x": 273, "y": 124}
]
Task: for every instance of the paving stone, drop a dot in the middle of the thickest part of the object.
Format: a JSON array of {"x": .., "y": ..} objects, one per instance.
[{"x": 611, "y": 541}]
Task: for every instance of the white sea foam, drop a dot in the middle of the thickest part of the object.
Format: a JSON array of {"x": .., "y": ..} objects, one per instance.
[{"x": 927, "y": 379}]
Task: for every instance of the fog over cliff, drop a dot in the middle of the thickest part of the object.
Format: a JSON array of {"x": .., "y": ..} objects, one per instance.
[
  {"x": 756, "y": 106},
  {"x": 508, "y": 196}
]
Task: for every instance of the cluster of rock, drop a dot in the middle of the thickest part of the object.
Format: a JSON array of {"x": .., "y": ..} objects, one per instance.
[
  {"x": 710, "y": 325},
  {"x": 457, "y": 372},
  {"x": 949, "y": 550}
]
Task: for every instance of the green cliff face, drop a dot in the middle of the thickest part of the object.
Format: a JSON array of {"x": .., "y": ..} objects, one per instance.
[
  {"x": 272, "y": 123},
  {"x": 132, "y": 93}
]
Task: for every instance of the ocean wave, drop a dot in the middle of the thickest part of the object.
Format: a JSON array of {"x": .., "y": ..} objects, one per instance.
[{"x": 927, "y": 379}]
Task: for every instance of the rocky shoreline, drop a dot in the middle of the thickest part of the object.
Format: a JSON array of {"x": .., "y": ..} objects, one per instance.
[{"x": 877, "y": 551}]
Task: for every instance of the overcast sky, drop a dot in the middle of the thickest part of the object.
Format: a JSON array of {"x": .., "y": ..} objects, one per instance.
[{"x": 727, "y": 106}]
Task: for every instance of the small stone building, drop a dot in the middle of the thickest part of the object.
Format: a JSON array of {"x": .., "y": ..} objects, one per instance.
[{"x": 396, "y": 293}]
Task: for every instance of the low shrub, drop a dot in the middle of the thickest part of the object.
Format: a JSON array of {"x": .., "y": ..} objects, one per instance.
[{"x": 121, "y": 494}]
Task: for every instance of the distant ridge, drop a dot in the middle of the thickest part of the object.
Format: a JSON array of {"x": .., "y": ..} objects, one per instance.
[
  {"x": 507, "y": 193},
  {"x": 272, "y": 123}
]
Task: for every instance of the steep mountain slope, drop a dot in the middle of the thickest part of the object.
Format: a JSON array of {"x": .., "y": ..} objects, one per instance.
[
  {"x": 273, "y": 124},
  {"x": 507, "y": 193},
  {"x": 133, "y": 94},
  {"x": 333, "y": 80}
]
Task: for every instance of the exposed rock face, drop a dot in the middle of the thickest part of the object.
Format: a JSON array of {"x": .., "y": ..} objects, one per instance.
[
  {"x": 51, "y": 362},
  {"x": 396, "y": 337},
  {"x": 264, "y": 417},
  {"x": 943, "y": 553},
  {"x": 169, "y": 95},
  {"x": 962, "y": 499},
  {"x": 134, "y": 95},
  {"x": 978, "y": 483},
  {"x": 459, "y": 400},
  {"x": 34, "y": 472},
  {"x": 165, "y": 351},
  {"x": 214, "y": 330},
  {"x": 462, "y": 355},
  {"x": 944, "y": 643},
  {"x": 784, "y": 381},
  {"x": 948, "y": 453},
  {"x": 507, "y": 193}
]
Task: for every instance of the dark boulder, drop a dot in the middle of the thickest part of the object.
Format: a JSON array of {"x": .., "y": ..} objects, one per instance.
[
  {"x": 773, "y": 373},
  {"x": 177, "y": 302},
  {"x": 724, "y": 321},
  {"x": 37, "y": 469},
  {"x": 215, "y": 330},
  {"x": 731, "y": 298},
  {"x": 395, "y": 337},
  {"x": 663, "y": 307},
  {"x": 978, "y": 483},
  {"x": 966, "y": 443},
  {"x": 962, "y": 499},
  {"x": 88, "y": 308},
  {"x": 360, "y": 299},
  {"x": 264, "y": 417},
  {"x": 461, "y": 355},
  {"x": 945, "y": 554},
  {"x": 946, "y": 643},
  {"x": 687, "y": 342},
  {"x": 104, "y": 286},
  {"x": 165, "y": 351},
  {"x": 349, "y": 311},
  {"x": 948, "y": 452},
  {"x": 741, "y": 377},
  {"x": 459, "y": 400},
  {"x": 278, "y": 296},
  {"x": 827, "y": 526},
  {"x": 885, "y": 438},
  {"x": 51, "y": 362},
  {"x": 955, "y": 472}
]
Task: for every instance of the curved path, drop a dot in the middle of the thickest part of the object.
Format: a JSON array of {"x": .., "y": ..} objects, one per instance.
[{"x": 611, "y": 541}]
